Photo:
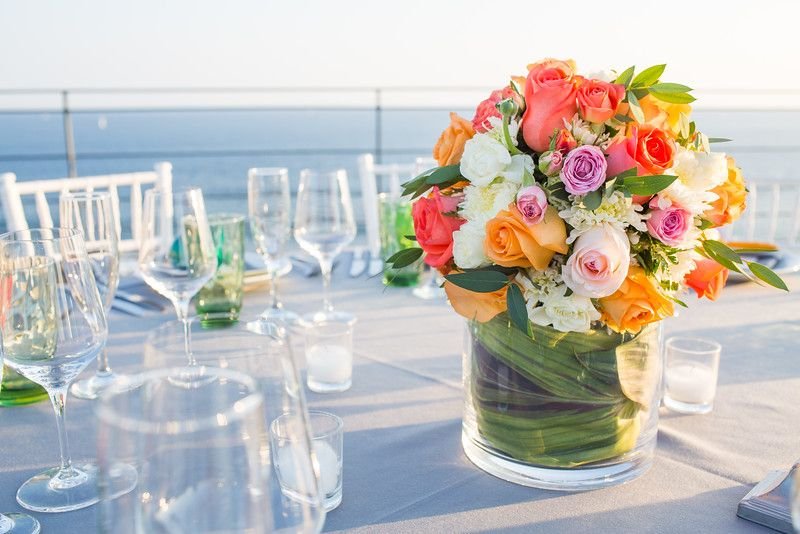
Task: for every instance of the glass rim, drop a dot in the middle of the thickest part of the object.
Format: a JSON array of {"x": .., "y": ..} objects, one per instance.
[
  {"x": 85, "y": 195},
  {"x": 339, "y": 172},
  {"x": 161, "y": 191},
  {"x": 235, "y": 412},
  {"x": 338, "y": 424},
  {"x": 253, "y": 172},
  {"x": 712, "y": 346},
  {"x": 58, "y": 234},
  {"x": 252, "y": 324}
]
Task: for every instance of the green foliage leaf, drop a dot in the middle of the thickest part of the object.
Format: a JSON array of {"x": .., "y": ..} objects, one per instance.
[
  {"x": 719, "y": 140},
  {"x": 593, "y": 199},
  {"x": 624, "y": 174},
  {"x": 705, "y": 224},
  {"x": 516, "y": 307},
  {"x": 670, "y": 88},
  {"x": 646, "y": 185},
  {"x": 648, "y": 76},
  {"x": 479, "y": 281},
  {"x": 623, "y": 118},
  {"x": 673, "y": 98},
  {"x": 636, "y": 108},
  {"x": 722, "y": 254},
  {"x": 625, "y": 77},
  {"x": 411, "y": 237},
  {"x": 767, "y": 275},
  {"x": 404, "y": 258},
  {"x": 444, "y": 174}
]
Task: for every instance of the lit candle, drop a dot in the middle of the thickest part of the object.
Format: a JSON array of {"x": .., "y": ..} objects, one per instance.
[
  {"x": 330, "y": 364},
  {"x": 691, "y": 383}
]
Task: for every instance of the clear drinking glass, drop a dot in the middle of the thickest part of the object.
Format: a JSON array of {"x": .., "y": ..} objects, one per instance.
[
  {"x": 53, "y": 327},
  {"x": 323, "y": 226},
  {"x": 201, "y": 453},
  {"x": 269, "y": 206},
  {"x": 432, "y": 287},
  {"x": 93, "y": 213},
  {"x": 261, "y": 349},
  {"x": 177, "y": 255},
  {"x": 690, "y": 374}
]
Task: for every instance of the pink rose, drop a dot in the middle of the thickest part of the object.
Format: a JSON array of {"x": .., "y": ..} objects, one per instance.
[
  {"x": 488, "y": 108},
  {"x": 434, "y": 224},
  {"x": 598, "y": 100},
  {"x": 550, "y": 94},
  {"x": 550, "y": 162},
  {"x": 668, "y": 225},
  {"x": 584, "y": 170},
  {"x": 599, "y": 262},
  {"x": 532, "y": 204}
]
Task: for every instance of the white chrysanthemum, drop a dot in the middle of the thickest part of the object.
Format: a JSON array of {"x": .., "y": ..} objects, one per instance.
[
  {"x": 484, "y": 159},
  {"x": 537, "y": 285},
  {"x": 700, "y": 171},
  {"x": 695, "y": 202},
  {"x": 496, "y": 129},
  {"x": 468, "y": 250},
  {"x": 516, "y": 171},
  {"x": 616, "y": 210},
  {"x": 565, "y": 313},
  {"x": 587, "y": 133},
  {"x": 677, "y": 272},
  {"x": 482, "y": 203}
]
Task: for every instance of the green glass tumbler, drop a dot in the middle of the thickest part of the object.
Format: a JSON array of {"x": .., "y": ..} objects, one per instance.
[
  {"x": 395, "y": 224},
  {"x": 218, "y": 303}
]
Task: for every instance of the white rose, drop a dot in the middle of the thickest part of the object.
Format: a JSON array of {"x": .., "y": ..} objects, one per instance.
[
  {"x": 483, "y": 203},
  {"x": 566, "y": 314},
  {"x": 484, "y": 159},
  {"x": 700, "y": 171},
  {"x": 516, "y": 170},
  {"x": 468, "y": 251},
  {"x": 599, "y": 262}
]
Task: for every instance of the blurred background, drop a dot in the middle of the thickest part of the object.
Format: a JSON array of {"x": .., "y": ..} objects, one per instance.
[{"x": 98, "y": 87}]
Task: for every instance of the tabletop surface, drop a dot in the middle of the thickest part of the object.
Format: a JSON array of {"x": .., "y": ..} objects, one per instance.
[{"x": 404, "y": 470}]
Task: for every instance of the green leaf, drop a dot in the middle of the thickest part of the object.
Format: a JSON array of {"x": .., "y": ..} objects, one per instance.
[
  {"x": 647, "y": 185},
  {"x": 623, "y": 118},
  {"x": 516, "y": 307},
  {"x": 592, "y": 200},
  {"x": 673, "y": 98},
  {"x": 767, "y": 275},
  {"x": 722, "y": 254},
  {"x": 411, "y": 237},
  {"x": 636, "y": 108},
  {"x": 648, "y": 76},
  {"x": 479, "y": 281},
  {"x": 413, "y": 185},
  {"x": 626, "y": 77},
  {"x": 444, "y": 174},
  {"x": 404, "y": 258},
  {"x": 624, "y": 174},
  {"x": 719, "y": 140},
  {"x": 705, "y": 224},
  {"x": 672, "y": 88}
]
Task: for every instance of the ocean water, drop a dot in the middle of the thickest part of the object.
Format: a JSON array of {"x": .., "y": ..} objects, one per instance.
[{"x": 766, "y": 144}]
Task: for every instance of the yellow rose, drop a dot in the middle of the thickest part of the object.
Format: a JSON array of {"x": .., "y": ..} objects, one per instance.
[
  {"x": 664, "y": 115},
  {"x": 450, "y": 146},
  {"x": 732, "y": 197},
  {"x": 636, "y": 303},
  {"x": 511, "y": 242}
]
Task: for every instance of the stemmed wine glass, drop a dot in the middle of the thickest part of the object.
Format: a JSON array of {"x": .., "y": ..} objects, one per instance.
[
  {"x": 431, "y": 289},
  {"x": 323, "y": 226},
  {"x": 94, "y": 214},
  {"x": 177, "y": 255},
  {"x": 269, "y": 206},
  {"x": 53, "y": 326}
]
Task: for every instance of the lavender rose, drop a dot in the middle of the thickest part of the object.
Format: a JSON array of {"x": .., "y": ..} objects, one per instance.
[
  {"x": 669, "y": 225},
  {"x": 532, "y": 203},
  {"x": 584, "y": 170}
]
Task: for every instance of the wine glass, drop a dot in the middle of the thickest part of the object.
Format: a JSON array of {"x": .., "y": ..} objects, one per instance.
[
  {"x": 323, "y": 226},
  {"x": 269, "y": 206},
  {"x": 94, "y": 214},
  {"x": 177, "y": 255},
  {"x": 54, "y": 325},
  {"x": 431, "y": 289}
]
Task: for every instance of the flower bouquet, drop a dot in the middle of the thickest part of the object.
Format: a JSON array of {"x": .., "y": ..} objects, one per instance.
[{"x": 569, "y": 216}]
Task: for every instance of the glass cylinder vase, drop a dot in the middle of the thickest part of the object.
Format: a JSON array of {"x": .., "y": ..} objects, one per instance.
[{"x": 560, "y": 411}]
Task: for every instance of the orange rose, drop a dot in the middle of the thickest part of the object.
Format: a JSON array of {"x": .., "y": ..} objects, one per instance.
[
  {"x": 481, "y": 307},
  {"x": 636, "y": 303},
  {"x": 732, "y": 197},
  {"x": 510, "y": 242},
  {"x": 550, "y": 97},
  {"x": 450, "y": 146},
  {"x": 707, "y": 279},
  {"x": 598, "y": 100},
  {"x": 648, "y": 149},
  {"x": 664, "y": 115}
]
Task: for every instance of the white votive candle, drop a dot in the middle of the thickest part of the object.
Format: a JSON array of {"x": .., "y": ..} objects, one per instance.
[
  {"x": 295, "y": 478},
  {"x": 329, "y": 364},
  {"x": 692, "y": 383}
]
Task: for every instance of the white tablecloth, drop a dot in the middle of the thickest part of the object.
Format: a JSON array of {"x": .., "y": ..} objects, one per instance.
[{"x": 404, "y": 470}]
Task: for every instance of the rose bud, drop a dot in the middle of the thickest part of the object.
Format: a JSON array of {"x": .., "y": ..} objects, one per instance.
[
  {"x": 532, "y": 204},
  {"x": 550, "y": 162}
]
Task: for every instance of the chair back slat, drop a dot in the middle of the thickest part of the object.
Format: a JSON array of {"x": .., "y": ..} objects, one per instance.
[
  {"x": 773, "y": 214},
  {"x": 43, "y": 210}
]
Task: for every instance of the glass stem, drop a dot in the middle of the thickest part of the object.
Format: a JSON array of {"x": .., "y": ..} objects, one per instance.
[
  {"x": 59, "y": 400},
  {"x": 326, "y": 266},
  {"x": 182, "y": 310},
  {"x": 102, "y": 364},
  {"x": 273, "y": 291}
]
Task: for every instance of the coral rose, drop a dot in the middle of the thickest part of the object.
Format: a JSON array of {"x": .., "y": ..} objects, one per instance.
[
  {"x": 599, "y": 101},
  {"x": 707, "y": 279},
  {"x": 550, "y": 97},
  {"x": 635, "y": 304},
  {"x": 732, "y": 198},
  {"x": 664, "y": 115},
  {"x": 481, "y": 307},
  {"x": 450, "y": 146},
  {"x": 510, "y": 242},
  {"x": 488, "y": 108},
  {"x": 434, "y": 225},
  {"x": 648, "y": 149}
]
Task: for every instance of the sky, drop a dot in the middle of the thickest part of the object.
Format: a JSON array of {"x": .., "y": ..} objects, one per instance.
[{"x": 732, "y": 44}]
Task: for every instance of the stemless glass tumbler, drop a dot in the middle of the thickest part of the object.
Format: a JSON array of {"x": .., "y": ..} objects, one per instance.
[{"x": 52, "y": 327}]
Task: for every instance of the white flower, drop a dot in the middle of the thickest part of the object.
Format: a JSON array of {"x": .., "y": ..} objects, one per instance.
[
  {"x": 603, "y": 76},
  {"x": 616, "y": 210},
  {"x": 536, "y": 285},
  {"x": 484, "y": 159},
  {"x": 695, "y": 202},
  {"x": 599, "y": 262},
  {"x": 496, "y": 129},
  {"x": 482, "y": 203},
  {"x": 566, "y": 314},
  {"x": 516, "y": 170},
  {"x": 587, "y": 133},
  {"x": 700, "y": 171},
  {"x": 468, "y": 250},
  {"x": 677, "y": 272}
]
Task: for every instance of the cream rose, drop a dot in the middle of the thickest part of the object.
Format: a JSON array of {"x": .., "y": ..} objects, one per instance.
[
  {"x": 599, "y": 262},
  {"x": 468, "y": 251},
  {"x": 484, "y": 159}
]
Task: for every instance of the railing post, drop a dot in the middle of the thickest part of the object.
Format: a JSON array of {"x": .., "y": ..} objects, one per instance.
[
  {"x": 378, "y": 127},
  {"x": 69, "y": 136}
]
